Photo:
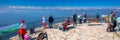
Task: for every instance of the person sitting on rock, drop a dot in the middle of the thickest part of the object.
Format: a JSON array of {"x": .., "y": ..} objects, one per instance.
[
  {"x": 26, "y": 37},
  {"x": 64, "y": 26},
  {"x": 68, "y": 21}
]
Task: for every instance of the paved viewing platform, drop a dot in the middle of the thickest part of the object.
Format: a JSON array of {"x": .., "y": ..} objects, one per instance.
[{"x": 80, "y": 32}]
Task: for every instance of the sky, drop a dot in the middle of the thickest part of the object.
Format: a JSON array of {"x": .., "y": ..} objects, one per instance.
[{"x": 61, "y": 3}]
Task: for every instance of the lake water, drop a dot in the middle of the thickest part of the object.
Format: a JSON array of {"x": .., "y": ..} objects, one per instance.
[{"x": 13, "y": 16}]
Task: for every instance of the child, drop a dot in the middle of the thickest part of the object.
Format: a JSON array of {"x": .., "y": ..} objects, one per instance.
[
  {"x": 26, "y": 37},
  {"x": 44, "y": 22}
]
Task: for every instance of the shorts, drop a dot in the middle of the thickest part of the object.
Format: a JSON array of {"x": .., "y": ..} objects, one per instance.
[{"x": 44, "y": 24}]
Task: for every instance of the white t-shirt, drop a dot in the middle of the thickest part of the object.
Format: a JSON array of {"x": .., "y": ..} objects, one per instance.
[
  {"x": 44, "y": 20},
  {"x": 79, "y": 16},
  {"x": 118, "y": 19},
  {"x": 22, "y": 25}
]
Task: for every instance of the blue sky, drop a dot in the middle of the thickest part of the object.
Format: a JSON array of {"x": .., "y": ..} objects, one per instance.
[{"x": 61, "y": 3}]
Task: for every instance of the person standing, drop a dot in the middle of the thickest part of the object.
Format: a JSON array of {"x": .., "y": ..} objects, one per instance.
[
  {"x": 22, "y": 30},
  {"x": 111, "y": 22},
  {"x": 97, "y": 16},
  {"x": 75, "y": 19},
  {"x": 114, "y": 23},
  {"x": 85, "y": 17},
  {"x": 118, "y": 23},
  {"x": 80, "y": 18},
  {"x": 44, "y": 22},
  {"x": 50, "y": 20}
]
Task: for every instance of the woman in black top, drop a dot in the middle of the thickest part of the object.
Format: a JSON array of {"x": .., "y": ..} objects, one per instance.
[{"x": 75, "y": 20}]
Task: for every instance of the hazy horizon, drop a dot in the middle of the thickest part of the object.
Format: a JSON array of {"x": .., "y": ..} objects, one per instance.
[
  {"x": 62, "y": 3},
  {"x": 39, "y": 7}
]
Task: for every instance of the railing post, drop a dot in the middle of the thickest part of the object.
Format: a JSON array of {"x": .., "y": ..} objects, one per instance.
[{"x": 0, "y": 37}]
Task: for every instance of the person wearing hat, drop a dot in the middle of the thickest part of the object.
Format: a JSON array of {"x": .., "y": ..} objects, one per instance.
[{"x": 22, "y": 30}]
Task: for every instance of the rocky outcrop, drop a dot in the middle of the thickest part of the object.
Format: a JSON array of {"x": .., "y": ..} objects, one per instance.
[{"x": 81, "y": 32}]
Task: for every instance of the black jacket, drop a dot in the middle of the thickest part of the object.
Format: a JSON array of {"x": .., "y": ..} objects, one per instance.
[
  {"x": 74, "y": 17},
  {"x": 51, "y": 19}
]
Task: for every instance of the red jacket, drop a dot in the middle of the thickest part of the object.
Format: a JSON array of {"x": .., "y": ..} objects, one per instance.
[{"x": 20, "y": 32}]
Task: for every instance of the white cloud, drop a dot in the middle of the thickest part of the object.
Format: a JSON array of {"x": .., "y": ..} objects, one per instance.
[{"x": 33, "y": 7}]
